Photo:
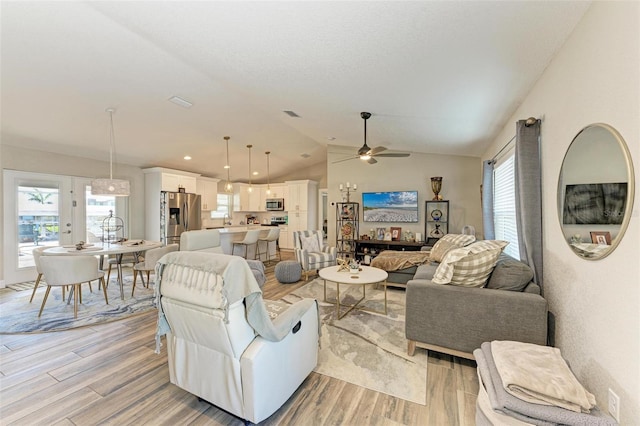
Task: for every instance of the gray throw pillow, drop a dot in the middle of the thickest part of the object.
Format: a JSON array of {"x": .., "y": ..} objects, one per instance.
[{"x": 510, "y": 274}]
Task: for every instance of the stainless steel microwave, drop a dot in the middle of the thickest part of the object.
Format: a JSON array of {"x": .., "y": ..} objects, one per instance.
[{"x": 275, "y": 204}]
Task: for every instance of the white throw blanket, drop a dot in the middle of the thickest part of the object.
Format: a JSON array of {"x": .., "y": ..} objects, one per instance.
[
  {"x": 539, "y": 374},
  {"x": 199, "y": 272}
]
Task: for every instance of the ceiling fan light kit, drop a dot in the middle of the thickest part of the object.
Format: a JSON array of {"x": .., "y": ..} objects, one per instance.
[
  {"x": 111, "y": 186},
  {"x": 365, "y": 153}
]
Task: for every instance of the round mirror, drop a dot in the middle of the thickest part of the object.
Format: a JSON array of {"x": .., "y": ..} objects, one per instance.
[{"x": 595, "y": 191}]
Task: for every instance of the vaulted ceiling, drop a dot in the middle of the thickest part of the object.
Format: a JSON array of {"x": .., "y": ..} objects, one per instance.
[{"x": 438, "y": 77}]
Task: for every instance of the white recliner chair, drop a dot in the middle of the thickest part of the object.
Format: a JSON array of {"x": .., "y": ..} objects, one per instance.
[{"x": 222, "y": 346}]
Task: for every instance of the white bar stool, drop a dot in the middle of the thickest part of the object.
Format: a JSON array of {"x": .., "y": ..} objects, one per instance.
[{"x": 272, "y": 236}]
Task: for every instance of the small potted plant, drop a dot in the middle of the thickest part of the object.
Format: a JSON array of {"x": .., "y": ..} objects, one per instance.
[{"x": 354, "y": 267}]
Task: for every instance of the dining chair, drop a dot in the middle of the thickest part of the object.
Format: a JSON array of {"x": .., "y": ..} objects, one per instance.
[
  {"x": 122, "y": 259},
  {"x": 250, "y": 239},
  {"x": 272, "y": 236},
  {"x": 61, "y": 271},
  {"x": 37, "y": 252},
  {"x": 151, "y": 257}
]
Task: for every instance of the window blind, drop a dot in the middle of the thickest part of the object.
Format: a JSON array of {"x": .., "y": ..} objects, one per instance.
[{"x": 504, "y": 205}]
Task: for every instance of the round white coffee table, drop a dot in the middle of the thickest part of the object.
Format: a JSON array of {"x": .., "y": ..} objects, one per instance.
[{"x": 367, "y": 275}]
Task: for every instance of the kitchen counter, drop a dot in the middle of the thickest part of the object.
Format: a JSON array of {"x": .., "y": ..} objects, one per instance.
[{"x": 231, "y": 233}]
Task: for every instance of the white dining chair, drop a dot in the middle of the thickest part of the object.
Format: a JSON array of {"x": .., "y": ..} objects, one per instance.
[
  {"x": 272, "y": 236},
  {"x": 61, "y": 271},
  {"x": 149, "y": 265},
  {"x": 250, "y": 239},
  {"x": 37, "y": 252}
]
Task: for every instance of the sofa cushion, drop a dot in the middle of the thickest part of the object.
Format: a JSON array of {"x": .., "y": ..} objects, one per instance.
[
  {"x": 510, "y": 274},
  {"x": 469, "y": 266},
  {"x": 426, "y": 271}
]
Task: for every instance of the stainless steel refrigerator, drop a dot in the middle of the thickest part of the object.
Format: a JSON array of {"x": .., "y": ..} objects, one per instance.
[{"x": 179, "y": 212}]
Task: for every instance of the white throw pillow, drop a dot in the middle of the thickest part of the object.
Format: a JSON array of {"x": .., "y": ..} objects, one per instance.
[{"x": 310, "y": 243}]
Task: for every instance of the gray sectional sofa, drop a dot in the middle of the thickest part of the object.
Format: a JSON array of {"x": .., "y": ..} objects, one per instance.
[{"x": 456, "y": 320}]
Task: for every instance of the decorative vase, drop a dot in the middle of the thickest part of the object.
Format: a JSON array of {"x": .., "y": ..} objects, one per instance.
[{"x": 436, "y": 187}]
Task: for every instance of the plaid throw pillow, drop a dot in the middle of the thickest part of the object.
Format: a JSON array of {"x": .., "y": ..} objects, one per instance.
[
  {"x": 469, "y": 266},
  {"x": 440, "y": 249},
  {"x": 460, "y": 240}
]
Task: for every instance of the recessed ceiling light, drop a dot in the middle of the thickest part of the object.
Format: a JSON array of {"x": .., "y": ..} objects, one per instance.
[
  {"x": 331, "y": 138},
  {"x": 227, "y": 166},
  {"x": 187, "y": 157},
  {"x": 180, "y": 101},
  {"x": 256, "y": 173},
  {"x": 291, "y": 114}
]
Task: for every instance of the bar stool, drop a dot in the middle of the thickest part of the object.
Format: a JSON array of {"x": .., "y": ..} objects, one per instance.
[
  {"x": 272, "y": 236},
  {"x": 250, "y": 239}
]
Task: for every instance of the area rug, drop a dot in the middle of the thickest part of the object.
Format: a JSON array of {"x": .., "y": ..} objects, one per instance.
[
  {"x": 17, "y": 315},
  {"x": 367, "y": 349}
]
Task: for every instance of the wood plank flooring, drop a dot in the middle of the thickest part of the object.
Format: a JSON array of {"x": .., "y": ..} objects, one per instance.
[{"x": 109, "y": 374}]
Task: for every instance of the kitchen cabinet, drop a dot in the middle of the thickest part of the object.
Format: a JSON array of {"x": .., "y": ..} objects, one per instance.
[
  {"x": 277, "y": 191},
  {"x": 301, "y": 206},
  {"x": 156, "y": 180},
  {"x": 245, "y": 201},
  {"x": 207, "y": 188},
  {"x": 284, "y": 241},
  {"x": 162, "y": 179}
]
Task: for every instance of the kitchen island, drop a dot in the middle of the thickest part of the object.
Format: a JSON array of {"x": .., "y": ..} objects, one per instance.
[{"x": 232, "y": 233}]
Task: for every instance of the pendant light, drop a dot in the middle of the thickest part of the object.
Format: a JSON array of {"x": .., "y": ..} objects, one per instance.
[
  {"x": 228, "y": 186},
  {"x": 268, "y": 182},
  {"x": 250, "y": 185},
  {"x": 111, "y": 186}
]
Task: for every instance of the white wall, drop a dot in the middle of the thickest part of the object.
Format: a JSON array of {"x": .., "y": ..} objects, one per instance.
[
  {"x": 461, "y": 180},
  {"x": 594, "y": 78}
]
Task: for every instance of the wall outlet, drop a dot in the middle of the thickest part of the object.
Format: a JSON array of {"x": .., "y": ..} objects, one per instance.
[{"x": 614, "y": 405}]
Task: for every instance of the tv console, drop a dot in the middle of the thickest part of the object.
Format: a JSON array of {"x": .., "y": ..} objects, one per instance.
[{"x": 372, "y": 248}]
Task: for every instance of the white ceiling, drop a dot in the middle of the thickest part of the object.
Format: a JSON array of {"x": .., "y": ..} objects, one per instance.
[{"x": 438, "y": 77}]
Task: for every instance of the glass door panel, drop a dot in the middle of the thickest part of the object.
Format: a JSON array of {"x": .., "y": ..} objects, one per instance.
[
  {"x": 97, "y": 209},
  {"x": 38, "y": 220}
]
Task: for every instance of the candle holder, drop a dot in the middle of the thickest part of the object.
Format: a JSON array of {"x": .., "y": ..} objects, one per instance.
[{"x": 346, "y": 191}]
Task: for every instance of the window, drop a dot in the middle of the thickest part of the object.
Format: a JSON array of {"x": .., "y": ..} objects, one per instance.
[
  {"x": 504, "y": 205},
  {"x": 225, "y": 201}
]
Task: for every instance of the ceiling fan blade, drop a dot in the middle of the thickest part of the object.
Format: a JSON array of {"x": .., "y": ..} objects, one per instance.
[
  {"x": 371, "y": 160},
  {"x": 393, "y": 154},
  {"x": 377, "y": 149},
  {"x": 344, "y": 159}
]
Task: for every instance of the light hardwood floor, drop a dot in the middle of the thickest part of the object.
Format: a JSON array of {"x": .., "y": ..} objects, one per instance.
[{"x": 109, "y": 374}]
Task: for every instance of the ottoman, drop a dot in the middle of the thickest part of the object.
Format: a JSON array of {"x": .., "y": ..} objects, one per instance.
[{"x": 288, "y": 271}]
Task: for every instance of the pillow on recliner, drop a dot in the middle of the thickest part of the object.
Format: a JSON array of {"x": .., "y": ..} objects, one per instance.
[
  {"x": 461, "y": 240},
  {"x": 510, "y": 274}
]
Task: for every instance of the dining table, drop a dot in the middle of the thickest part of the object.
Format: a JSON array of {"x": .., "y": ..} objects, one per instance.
[{"x": 118, "y": 249}]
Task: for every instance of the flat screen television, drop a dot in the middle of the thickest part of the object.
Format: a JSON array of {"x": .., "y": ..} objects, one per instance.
[
  {"x": 594, "y": 203},
  {"x": 391, "y": 206}
]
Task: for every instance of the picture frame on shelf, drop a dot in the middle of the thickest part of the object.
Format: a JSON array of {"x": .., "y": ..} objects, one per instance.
[
  {"x": 396, "y": 233},
  {"x": 387, "y": 236},
  {"x": 601, "y": 237},
  {"x": 380, "y": 233}
]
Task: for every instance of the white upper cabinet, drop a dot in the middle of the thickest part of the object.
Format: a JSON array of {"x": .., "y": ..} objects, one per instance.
[
  {"x": 160, "y": 179},
  {"x": 207, "y": 188},
  {"x": 302, "y": 195}
]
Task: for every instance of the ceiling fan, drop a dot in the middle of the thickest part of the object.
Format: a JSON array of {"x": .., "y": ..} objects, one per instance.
[{"x": 367, "y": 154}]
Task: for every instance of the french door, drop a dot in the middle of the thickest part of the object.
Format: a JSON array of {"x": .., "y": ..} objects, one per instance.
[{"x": 47, "y": 210}]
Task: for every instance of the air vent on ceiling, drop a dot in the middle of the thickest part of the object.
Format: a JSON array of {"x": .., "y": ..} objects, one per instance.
[
  {"x": 305, "y": 155},
  {"x": 179, "y": 101},
  {"x": 291, "y": 114}
]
